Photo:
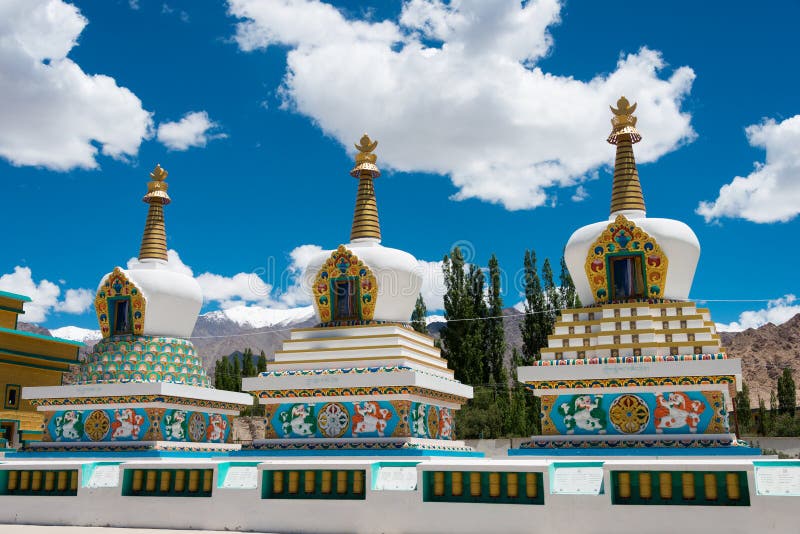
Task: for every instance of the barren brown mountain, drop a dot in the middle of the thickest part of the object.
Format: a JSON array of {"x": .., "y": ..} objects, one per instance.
[{"x": 765, "y": 352}]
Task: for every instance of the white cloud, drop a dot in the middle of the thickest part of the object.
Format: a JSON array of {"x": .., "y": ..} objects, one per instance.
[
  {"x": 174, "y": 263},
  {"x": 53, "y": 113},
  {"x": 133, "y": 4},
  {"x": 771, "y": 193},
  {"x": 433, "y": 288},
  {"x": 44, "y": 295},
  {"x": 777, "y": 312},
  {"x": 195, "y": 129},
  {"x": 473, "y": 106},
  {"x": 580, "y": 194}
]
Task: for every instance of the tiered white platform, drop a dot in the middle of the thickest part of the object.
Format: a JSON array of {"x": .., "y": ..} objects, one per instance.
[{"x": 359, "y": 387}]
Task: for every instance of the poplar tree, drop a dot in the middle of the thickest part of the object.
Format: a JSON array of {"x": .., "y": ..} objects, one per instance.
[
  {"x": 552, "y": 299},
  {"x": 533, "y": 338},
  {"x": 742, "y": 406},
  {"x": 236, "y": 374},
  {"x": 787, "y": 396},
  {"x": 418, "y": 321},
  {"x": 462, "y": 343},
  {"x": 261, "y": 366},
  {"x": 493, "y": 330},
  {"x": 569, "y": 296},
  {"x": 762, "y": 417},
  {"x": 248, "y": 367},
  {"x": 221, "y": 373}
]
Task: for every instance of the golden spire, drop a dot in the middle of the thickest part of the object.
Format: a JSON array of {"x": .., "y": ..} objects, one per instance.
[
  {"x": 365, "y": 218},
  {"x": 626, "y": 193},
  {"x": 154, "y": 240}
]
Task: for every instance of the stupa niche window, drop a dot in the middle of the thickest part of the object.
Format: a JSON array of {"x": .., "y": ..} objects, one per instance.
[
  {"x": 121, "y": 319},
  {"x": 586, "y": 342},
  {"x": 627, "y": 277},
  {"x": 616, "y": 340},
  {"x": 632, "y": 325},
  {"x": 12, "y": 397},
  {"x": 690, "y": 337},
  {"x": 668, "y": 338},
  {"x": 587, "y": 329},
  {"x": 571, "y": 329},
  {"x": 683, "y": 324},
  {"x": 345, "y": 299},
  {"x": 637, "y": 352},
  {"x": 635, "y": 338},
  {"x": 665, "y": 325},
  {"x": 698, "y": 350},
  {"x": 634, "y": 312},
  {"x": 673, "y": 351},
  {"x": 663, "y": 312}
]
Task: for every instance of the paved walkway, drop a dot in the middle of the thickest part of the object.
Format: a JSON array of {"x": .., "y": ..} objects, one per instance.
[{"x": 41, "y": 529}]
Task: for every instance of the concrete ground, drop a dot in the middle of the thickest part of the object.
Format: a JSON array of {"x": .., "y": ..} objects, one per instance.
[{"x": 43, "y": 529}]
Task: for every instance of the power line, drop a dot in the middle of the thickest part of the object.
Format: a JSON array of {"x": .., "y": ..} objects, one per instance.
[{"x": 520, "y": 314}]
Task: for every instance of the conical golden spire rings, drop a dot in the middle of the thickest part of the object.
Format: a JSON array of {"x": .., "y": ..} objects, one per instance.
[
  {"x": 154, "y": 239},
  {"x": 626, "y": 192},
  {"x": 365, "y": 218}
]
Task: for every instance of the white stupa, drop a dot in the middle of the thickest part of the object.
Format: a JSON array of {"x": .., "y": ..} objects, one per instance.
[
  {"x": 362, "y": 380},
  {"x": 143, "y": 386},
  {"x": 639, "y": 368}
]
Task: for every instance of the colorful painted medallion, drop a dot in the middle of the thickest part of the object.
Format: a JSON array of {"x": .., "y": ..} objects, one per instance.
[
  {"x": 97, "y": 425},
  {"x": 299, "y": 421},
  {"x": 333, "y": 420},
  {"x": 629, "y": 414},
  {"x": 197, "y": 427},
  {"x": 127, "y": 424},
  {"x": 584, "y": 413}
]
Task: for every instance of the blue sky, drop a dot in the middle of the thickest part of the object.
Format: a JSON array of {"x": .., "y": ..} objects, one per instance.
[{"x": 491, "y": 118}]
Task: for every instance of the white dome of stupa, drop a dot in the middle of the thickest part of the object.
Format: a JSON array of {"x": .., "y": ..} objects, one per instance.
[
  {"x": 171, "y": 300},
  {"x": 631, "y": 256},
  {"x": 384, "y": 283}
]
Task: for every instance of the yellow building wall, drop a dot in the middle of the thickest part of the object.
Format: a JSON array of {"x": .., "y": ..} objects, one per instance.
[{"x": 30, "y": 421}]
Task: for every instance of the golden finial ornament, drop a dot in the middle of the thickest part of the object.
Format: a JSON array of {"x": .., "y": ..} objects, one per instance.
[
  {"x": 154, "y": 240},
  {"x": 365, "y": 159},
  {"x": 626, "y": 193},
  {"x": 623, "y": 122},
  {"x": 365, "y": 218}
]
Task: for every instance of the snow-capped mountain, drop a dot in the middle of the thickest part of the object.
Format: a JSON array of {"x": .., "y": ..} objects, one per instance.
[
  {"x": 76, "y": 333},
  {"x": 435, "y": 319},
  {"x": 261, "y": 317}
]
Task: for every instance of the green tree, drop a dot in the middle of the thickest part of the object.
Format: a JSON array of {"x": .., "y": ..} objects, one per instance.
[
  {"x": 261, "y": 366},
  {"x": 248, "y": 366},
  {"x": 418, "y": 321},
  {"x": 773, "y": 412},
  {"x": 533, "y": 338},
  {"x": 787, "y": 396},
  {"x": 569, "y": 295},
  {"x": 742, "y": 406},
  {"x": 236, "y": 374},
  {"x": 221, "y": 372},
  {"x": 494, "y": 334},
  {"x": 462, "y": 342},
  {"x": 553, "y": 299},
  {"x": 762, "y": 417}
]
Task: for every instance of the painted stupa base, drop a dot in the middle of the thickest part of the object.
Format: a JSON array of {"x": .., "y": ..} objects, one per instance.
[
  {"x": 136, "y": 416},
  {"x": 375, "y": 387},
  {"x": 648, "y": 404},
  {"x": 139, "y": 358}
]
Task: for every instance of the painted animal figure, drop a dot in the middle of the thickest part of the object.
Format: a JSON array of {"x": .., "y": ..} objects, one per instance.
[
  {"x": 585, "y": 413},
  {"x": 216, "y": 427},
  {"x": 299, "y": 420},
  {"x": 174, "y": 425},
  {"x": 68, "y": 426},
  {"x": 445, "y": 423},
  {"x": 418, "y": 426},
  {"x": 370, "y": 417},
  {"x": 126, "y": 424},
  {"x": 677, "y": 410}
]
